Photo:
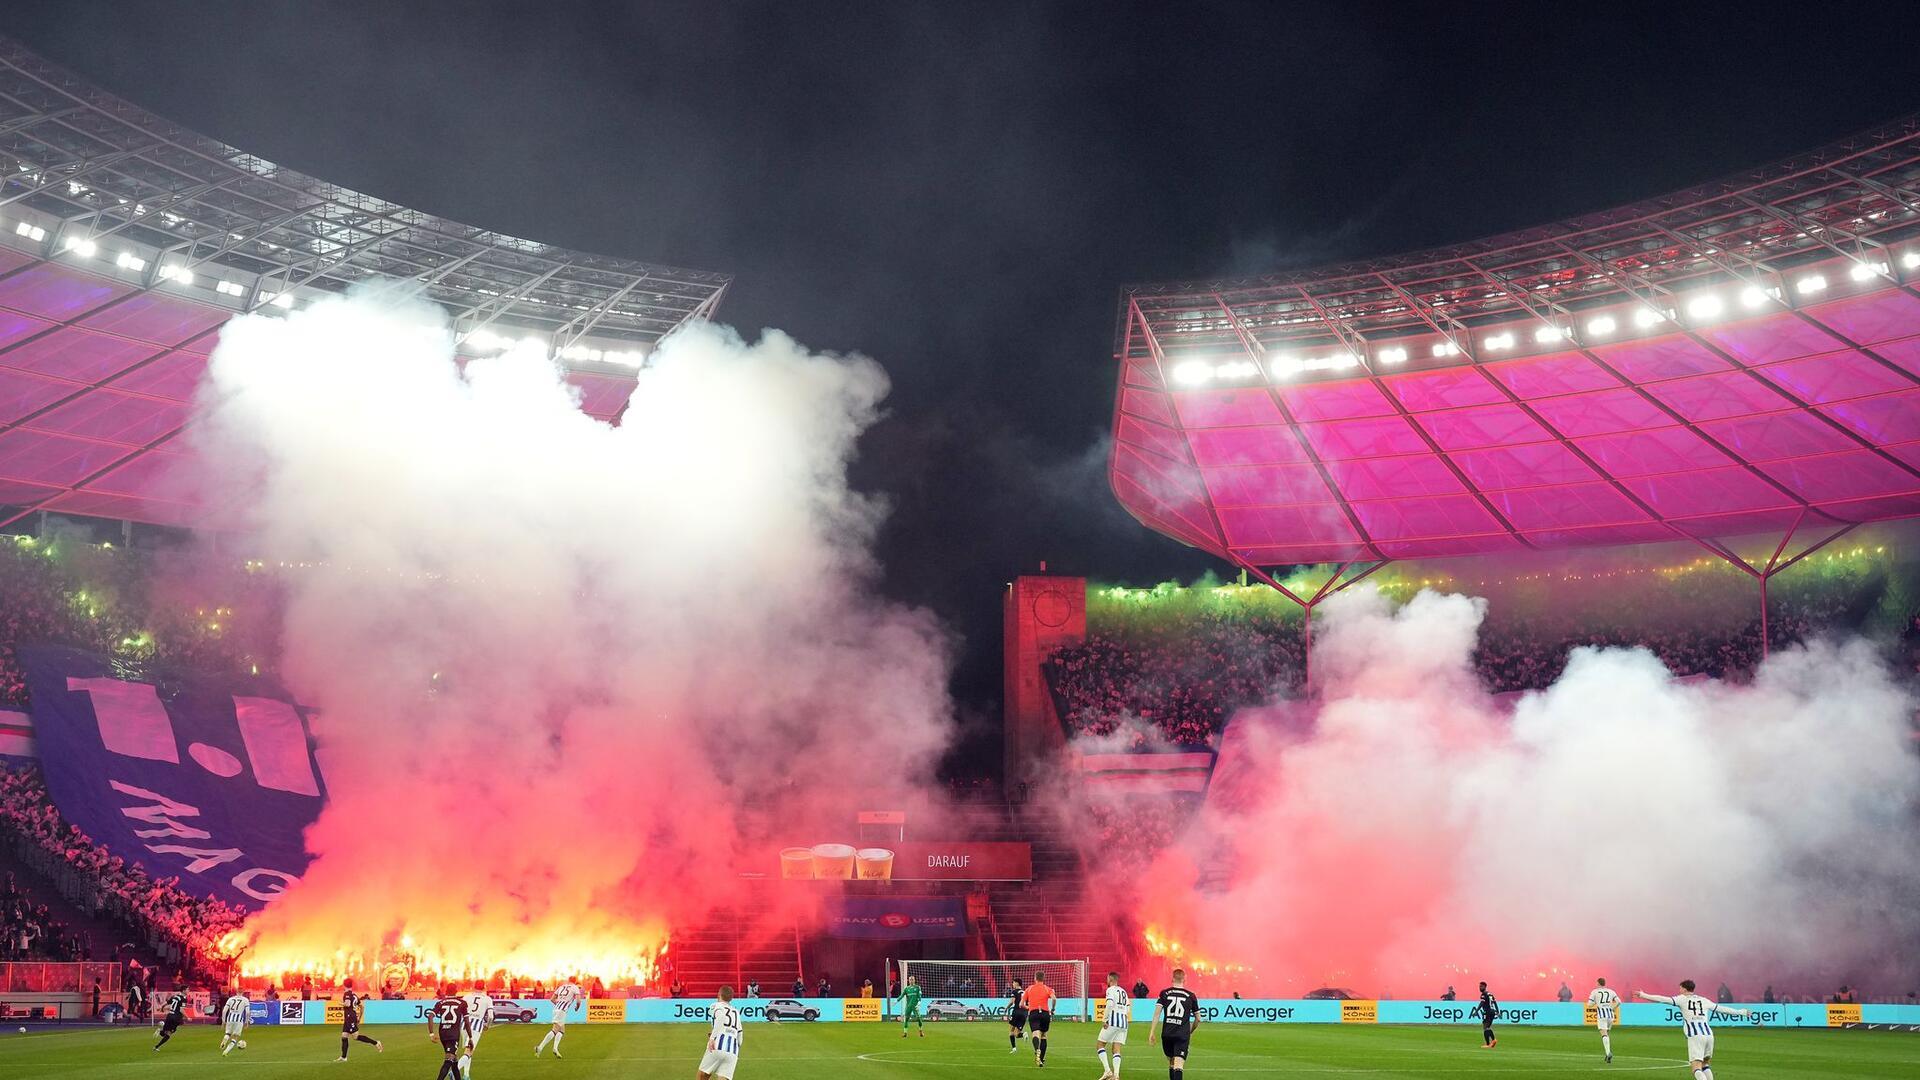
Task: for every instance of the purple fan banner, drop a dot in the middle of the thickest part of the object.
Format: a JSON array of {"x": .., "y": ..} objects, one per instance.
[{"x": 213, "y": 781}]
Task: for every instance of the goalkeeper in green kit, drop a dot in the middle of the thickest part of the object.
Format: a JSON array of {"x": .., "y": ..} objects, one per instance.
[{"x": 910, "y": 1014}]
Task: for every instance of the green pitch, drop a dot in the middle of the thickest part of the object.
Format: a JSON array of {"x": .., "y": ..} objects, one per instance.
[{"x": 961, "y": 1050}]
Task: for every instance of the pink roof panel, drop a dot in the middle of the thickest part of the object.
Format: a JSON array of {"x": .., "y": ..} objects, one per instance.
[
  {"x": 77, "y": 356},
  {"x": 57, "y": 293},
  {"x": 1335, "y": 401},
  {"x": 1753, "y": 426},
  {"x": 1872, "y": 318},
  {"x": 1836, "y": 377},
  {"x": 1784, "y": 336},
  {"x": 1482, "y": 426},
  {"x": 1225, "y": 408},
  {"x": 1444, "y": 388},
  {"x": 1603, "y": 412},
  {"x": 1671, "y": 357},
  {"x": 1711, "y": 397}
]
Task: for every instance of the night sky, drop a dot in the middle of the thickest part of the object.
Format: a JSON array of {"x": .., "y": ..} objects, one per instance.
[{"x": 960, "y": 189}]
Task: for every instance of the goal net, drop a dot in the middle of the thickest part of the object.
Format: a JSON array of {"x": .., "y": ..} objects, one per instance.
[{"x": 979, "y": 989}]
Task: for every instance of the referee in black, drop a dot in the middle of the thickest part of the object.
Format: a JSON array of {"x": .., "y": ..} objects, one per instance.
[
  {"x": 1178, "y": 1009},
  {"x": 1016, "y": 1017},
  {"x": 1489, "y": 1010}
]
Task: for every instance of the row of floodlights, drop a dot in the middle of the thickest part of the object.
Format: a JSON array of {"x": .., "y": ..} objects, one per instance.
[
  {"x": 1703, "y": 307},
  {"x": 486, "y": 341},
  {"x": 482, "y": 340},
  {"x": 87, "y": 248}
]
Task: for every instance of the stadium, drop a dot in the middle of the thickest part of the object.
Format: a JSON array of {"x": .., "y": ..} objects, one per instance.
[{"x": 399, "y": 616}]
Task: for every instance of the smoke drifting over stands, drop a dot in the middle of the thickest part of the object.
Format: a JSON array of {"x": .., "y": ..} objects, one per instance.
[{"x": 554, "y": 659}]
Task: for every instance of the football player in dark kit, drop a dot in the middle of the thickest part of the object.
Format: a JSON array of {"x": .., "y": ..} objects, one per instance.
[
  {"x": 1179, "y": 1009},
  {"x": 170, "y": 1021},
  {"x": 1016, "y": 1017},
  {"x": 1487, "y": 1010},
  {"x": 350, "y": 1022},
  {"x": 445, "y": 1020}
]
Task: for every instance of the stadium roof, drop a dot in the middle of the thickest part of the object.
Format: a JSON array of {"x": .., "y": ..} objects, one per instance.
[
  {"x": 126, "y": 242},
  {"x": 1736, "y": 359}
]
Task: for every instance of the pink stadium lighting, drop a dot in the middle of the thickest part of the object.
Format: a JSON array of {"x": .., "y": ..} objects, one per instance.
[{"x": 1794, "y": 425}]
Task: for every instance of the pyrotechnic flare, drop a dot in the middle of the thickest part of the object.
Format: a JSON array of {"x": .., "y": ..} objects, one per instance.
[
  {"x": 1416, "y": 828},
  {"x": 553, "y": 658}
]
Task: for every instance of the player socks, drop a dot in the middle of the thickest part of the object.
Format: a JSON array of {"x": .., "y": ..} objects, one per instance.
[
  {"x": 344, "y": 1043},
  {"x": 1043, "y": 1050},
  {"x": 1105, "y": 1069},
  {"x": 1013, "y": 1041},
  {"x": 466, "y": 1064},
  {"x": 1175, "y": 1074},
  {"x": 557, "y": 1036},
  {"x": 1116, "y": 1064},
  {"x": 543, "y": 1043},
  {"x": 1606, "y": 1045}
]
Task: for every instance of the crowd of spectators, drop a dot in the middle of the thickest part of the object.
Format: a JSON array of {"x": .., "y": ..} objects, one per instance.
[
  {"x": 183, "y": 930},
  {"x": 213, "y": 617},
  {"x": 1175, "y": 681},
  {"x": 1177, "y": 684},
  {"x": 29, "y": 931},
  {"x": 1131, "y": 833}
]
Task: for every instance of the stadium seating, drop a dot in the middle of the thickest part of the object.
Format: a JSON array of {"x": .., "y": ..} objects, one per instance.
[
  {"x": 736, "y": 946},
  {"x": 1178, "y": 681},
  {"x": 174, "y": 931}
]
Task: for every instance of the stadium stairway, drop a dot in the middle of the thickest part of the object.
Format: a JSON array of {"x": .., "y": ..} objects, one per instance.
[
  {"x": 734, "y": 947},
  {"x": 102, "y": 934}
]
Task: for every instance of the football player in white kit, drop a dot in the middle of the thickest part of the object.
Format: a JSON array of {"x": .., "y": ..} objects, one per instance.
[
  {"x": 1696, "y": 1016},
  {"x": 723, "y": 1039},
  {"x": 479, "y": 1013},
  {"x": 564, "y": 996},
  {"x": 1113, "y": 1026},
  {"x": 1606, "y": 1009},
  {"x": 234, "y": 1016}
]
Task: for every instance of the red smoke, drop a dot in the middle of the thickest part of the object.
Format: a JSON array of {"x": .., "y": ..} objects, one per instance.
[
  {"x": 1417, "y": 834},
  {"x": 565, "y": 671}
]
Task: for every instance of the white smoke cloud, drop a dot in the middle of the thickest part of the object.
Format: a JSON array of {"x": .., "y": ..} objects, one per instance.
[
  {"x": 1621, "y": 821},
  {"x": 553, "y": 657}
]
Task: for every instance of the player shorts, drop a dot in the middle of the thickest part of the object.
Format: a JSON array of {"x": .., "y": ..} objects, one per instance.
[
  {"x": 450, "y": 1039},
  {"x": 236, "y": 1028},
  {"x": 1017, "y": 1018},
  {"x": 475, "y": 1029},
  {"x": 719, "y": 1063},
  {"x": 1603, "y": 1022},
  {"x": 1174, "y": 1044},
  {"x": 350, "y": 1025},
  {"x": 1113, "y": 1035},
  {"x": 171, "y": 1024},
  {"x": 1039, "y": 1020},
  {"x": 1699, "y": 1047},
  {"x": 560, "y": 1018}
]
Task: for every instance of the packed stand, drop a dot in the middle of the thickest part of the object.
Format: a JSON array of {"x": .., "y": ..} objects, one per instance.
[
  {"x": 108, "y": 600},
  {"x": 1131, "y": 833},
  {"x": 182, "y": 929},
  {"x": 1169, "y": 675},
  {"x": 1178, "y": 684}
]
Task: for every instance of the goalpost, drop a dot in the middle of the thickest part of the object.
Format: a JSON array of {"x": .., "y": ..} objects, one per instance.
[{"x": 978, "y": 989}]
